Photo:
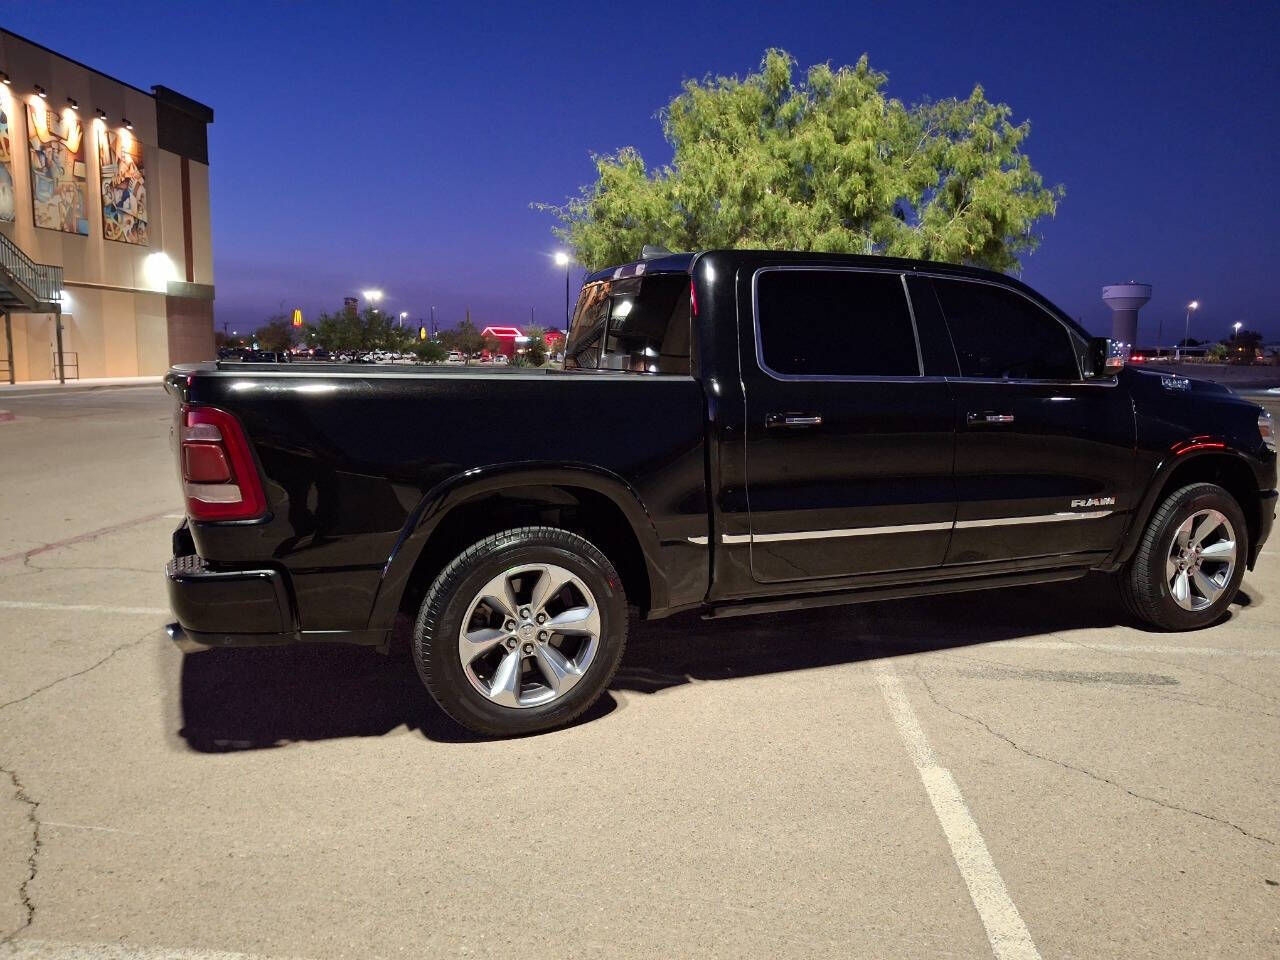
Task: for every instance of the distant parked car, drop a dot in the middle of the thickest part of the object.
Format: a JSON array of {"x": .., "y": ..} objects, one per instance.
[{"x": 455, "y": 356}]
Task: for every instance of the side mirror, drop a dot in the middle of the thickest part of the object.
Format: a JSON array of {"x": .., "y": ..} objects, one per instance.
[{"x": 1105, "y": 357}]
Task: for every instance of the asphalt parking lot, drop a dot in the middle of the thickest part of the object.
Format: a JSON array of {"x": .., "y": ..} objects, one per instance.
[{"x": 1019, "y": 773}]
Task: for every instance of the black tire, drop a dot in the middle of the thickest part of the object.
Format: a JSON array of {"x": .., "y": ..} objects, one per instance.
[
  {"x": 1143, "y": 584},
  {"x": 448, "y": 599}
]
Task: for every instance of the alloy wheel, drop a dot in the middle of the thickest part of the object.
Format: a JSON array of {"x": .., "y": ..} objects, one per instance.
[
  {"x": 529, "y": 635},
  {"x": 1202, "y": 559}
]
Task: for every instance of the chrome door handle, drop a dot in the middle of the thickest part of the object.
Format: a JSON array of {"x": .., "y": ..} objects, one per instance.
[
  {"x": 988, "y": 416},
  {"x": 795, "y": 421}
]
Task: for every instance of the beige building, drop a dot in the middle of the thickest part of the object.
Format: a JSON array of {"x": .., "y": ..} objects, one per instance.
[{"x": 104, "y": 221}]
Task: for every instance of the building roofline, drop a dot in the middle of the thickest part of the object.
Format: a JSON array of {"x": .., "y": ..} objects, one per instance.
[
  {"x": 171, "y": 97},
  {"x": 182, "y": 102}
]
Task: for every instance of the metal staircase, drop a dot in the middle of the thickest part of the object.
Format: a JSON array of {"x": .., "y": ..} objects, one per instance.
[{"x": 27, "y": 286}]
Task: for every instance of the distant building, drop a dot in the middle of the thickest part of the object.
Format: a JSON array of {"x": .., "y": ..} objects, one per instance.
[
  {"x": 104, "y": 220},
  {"x": 511, "y": 339}
]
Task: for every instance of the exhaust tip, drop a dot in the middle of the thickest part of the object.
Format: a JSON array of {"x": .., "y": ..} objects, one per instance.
[{"x": 182, "y": 641}]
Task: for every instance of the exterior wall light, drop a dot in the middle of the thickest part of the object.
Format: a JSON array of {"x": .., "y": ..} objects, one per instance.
[
  {"x": 127, "y": 124},
  {"x": 100, "y": 113},
  {"x": 42, "y": 92},
  {"x": 4, "y": 78},
  {"x": 74, "y": 105}
]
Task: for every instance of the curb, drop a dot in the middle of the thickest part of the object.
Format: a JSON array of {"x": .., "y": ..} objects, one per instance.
[{"x": 20, "y": 391}]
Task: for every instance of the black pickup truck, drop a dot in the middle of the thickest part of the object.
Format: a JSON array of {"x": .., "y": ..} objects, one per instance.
[{"x": 733, "y": 432}]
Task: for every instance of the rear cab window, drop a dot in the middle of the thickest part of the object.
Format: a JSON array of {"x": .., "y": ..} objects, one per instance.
[{"x": 636, "y": 324}]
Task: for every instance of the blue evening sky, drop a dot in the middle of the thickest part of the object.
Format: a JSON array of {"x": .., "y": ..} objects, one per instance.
[{"x": 400, "y": 145}]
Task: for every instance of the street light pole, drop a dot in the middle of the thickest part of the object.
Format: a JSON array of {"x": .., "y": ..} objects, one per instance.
[
  {"x": 1186, "y": 332},
  {"x": 564, "y": 260}
]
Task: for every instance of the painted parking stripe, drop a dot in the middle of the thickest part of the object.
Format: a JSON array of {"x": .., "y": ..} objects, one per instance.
[
  {"x": 1009, "y": 937},
  {"x": 81, "y": 608},
  {"x": 1169, "y": 649},
  {"x": 51, "y": 950}
]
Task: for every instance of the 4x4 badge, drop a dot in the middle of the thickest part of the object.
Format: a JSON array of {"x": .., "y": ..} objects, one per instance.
[{"x": 1094, "y": 502}]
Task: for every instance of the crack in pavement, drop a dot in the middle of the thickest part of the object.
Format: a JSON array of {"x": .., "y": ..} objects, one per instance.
[
  {"x": 80, "y": 673},
  {"x": 28, "y": 906},
  {"x": 26, "y": 555},
  {"x": 36, "y": 568},
  {"x": 1089, "y": 773}
]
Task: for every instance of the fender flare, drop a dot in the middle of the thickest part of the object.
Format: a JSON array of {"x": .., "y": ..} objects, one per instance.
[
  {"x": 470, "y": 484},
  {"x": 1178, "y": 455}
]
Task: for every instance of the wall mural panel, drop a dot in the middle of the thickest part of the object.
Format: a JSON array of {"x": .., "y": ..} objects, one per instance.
[
  {"x": 6, "y": 159},
  {"x": 57, "y": 169},
  {"x": 122, "y": 167}
]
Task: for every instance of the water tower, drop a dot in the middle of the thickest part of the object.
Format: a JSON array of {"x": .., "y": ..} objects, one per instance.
[{"x": 1125, "y": 299}]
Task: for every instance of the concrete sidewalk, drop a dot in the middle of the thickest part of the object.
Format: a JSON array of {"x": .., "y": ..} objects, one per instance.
[{"x": 43, "y": 387}]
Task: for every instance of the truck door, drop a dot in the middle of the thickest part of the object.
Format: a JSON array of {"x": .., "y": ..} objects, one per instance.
[
  {"x": 849, "y": 445},
  {"x": 1044, "y": 459}
]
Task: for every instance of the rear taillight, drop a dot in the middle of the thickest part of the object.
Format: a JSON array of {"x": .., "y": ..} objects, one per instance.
[{"x": 219, "y": 478}]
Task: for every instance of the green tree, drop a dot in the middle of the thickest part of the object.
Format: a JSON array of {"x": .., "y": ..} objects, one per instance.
[
  {"x": 535, "y": 349},
  {"x": 1244, "y": 344},
  {"x": 428, "y": 351},
  {"x": 829, "y": 163},
  {"x": 276, "y": 334},
  {"x": 466, "y": 338},
  {"x": 357, "y": 333}
]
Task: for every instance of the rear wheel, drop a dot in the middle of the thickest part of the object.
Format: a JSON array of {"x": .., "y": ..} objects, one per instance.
[
  {"x": 522, "y": 631},
  {"x": 1191, "y": 559}
]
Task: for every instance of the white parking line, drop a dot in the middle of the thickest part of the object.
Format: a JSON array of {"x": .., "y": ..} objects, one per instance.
[
  {"x": 1169, "y": 649},
  {"x": 51, "y": 950},
  {"x": 81, "y": 608},
  {"x": 1009, "y": 937}
]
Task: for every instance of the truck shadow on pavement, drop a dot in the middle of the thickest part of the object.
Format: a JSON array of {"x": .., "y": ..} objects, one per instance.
[{"x": 257, "y": 698}]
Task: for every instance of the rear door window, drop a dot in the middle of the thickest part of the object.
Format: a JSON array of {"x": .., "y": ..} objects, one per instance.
[
  {"x": 834, "y": 323},
  {"x": 1001, "y": 335}
]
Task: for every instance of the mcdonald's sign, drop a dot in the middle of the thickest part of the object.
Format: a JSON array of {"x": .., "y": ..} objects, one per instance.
[{"x": 297, "y": 317}]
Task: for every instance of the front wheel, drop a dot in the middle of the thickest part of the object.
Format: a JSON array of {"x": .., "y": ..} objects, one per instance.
[
  {"x": 1191, "y": 559},
  {"x": 522, "y": 631}
]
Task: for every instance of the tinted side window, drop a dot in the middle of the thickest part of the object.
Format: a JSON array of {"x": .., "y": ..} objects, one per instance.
[
  {"x": 999, "y": 334},
  {"x": 835, "y": 323}
]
